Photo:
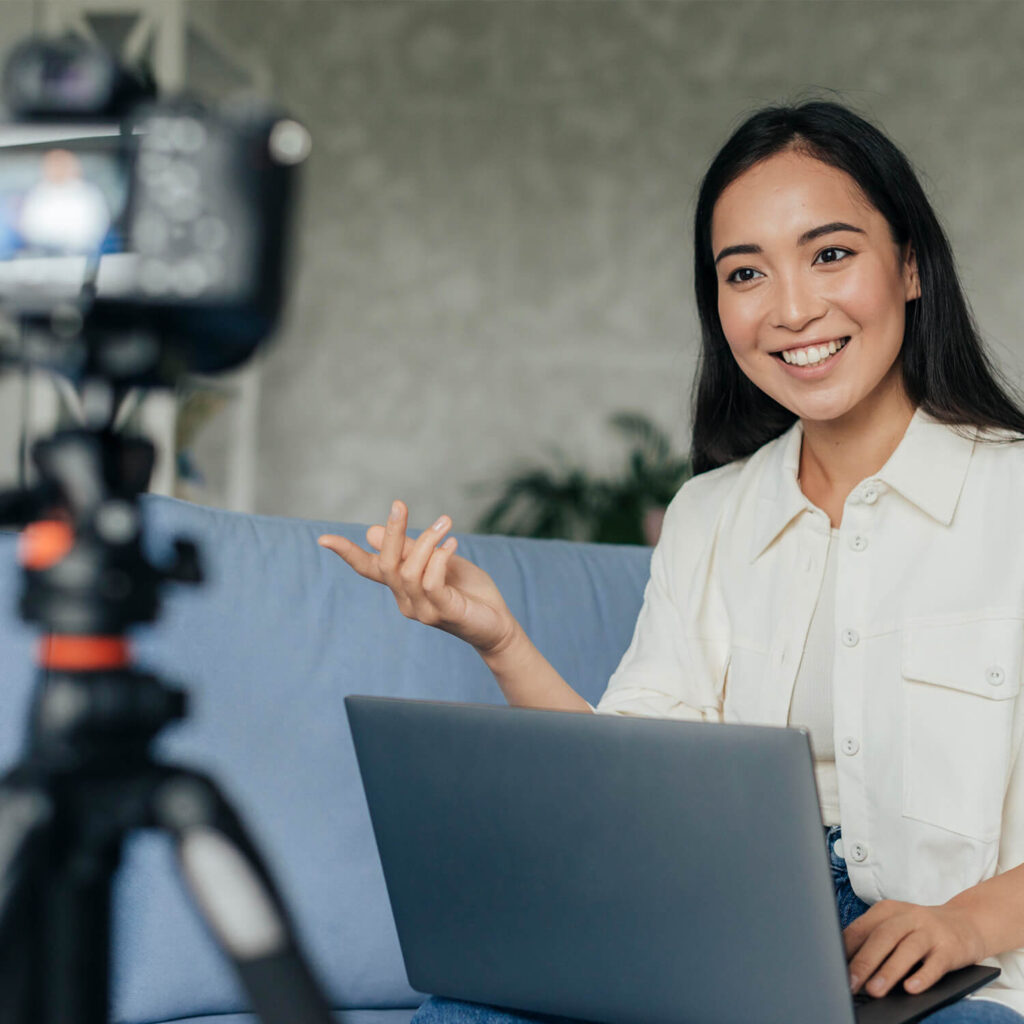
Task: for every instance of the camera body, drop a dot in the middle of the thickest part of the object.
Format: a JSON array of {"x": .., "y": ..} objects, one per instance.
[{"x": 139, "y": 239}]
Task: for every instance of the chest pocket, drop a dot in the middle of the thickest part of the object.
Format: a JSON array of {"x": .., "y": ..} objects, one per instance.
[{"x": 960, "y": 681}]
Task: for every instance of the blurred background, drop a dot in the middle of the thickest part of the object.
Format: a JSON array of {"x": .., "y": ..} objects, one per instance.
[{"x": 492, "y": 255}]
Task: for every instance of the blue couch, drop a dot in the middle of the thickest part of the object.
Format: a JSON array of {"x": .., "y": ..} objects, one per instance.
[{"x": 267, "y": 648}]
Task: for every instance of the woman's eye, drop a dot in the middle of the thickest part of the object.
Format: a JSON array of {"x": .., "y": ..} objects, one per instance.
[
  {"x": 833, "y": 254},
  {"x": 743, "y": 274}
]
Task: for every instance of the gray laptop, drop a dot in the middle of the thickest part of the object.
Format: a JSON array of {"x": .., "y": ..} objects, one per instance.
[{"x": 623, "y": 870}]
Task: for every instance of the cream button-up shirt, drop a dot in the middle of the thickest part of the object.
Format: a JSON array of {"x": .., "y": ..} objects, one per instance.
[{"x": 929, "y": 627}]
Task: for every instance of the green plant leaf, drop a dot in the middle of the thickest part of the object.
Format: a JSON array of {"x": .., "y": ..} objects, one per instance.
[{"x": 568, "y": 501}]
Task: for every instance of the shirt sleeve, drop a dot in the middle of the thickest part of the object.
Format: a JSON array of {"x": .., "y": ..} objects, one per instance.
[{"x": 675, "y": 664}]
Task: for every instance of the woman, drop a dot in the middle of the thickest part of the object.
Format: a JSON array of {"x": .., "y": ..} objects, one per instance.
[{"x": 839, "y": 561}]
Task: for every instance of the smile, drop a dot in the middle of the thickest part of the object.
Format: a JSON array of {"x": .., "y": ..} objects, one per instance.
[{"x": 813, "y": 353}]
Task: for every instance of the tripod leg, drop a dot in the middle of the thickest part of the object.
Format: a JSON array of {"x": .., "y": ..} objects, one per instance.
[
  {"x": 26, "y": 817},
  {"x": 239, "y": 901}
]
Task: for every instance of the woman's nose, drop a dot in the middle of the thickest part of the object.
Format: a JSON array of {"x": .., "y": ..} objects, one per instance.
[{"x": 797, "y": 303}]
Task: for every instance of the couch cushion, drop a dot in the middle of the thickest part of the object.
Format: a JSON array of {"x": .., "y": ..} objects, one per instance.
[{"x": 267, "y": 648}]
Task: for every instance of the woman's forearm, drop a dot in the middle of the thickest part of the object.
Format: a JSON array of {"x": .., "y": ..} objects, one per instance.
[
  {"x": 996, "y": 906},
  {"x": 528, "y": 679}
]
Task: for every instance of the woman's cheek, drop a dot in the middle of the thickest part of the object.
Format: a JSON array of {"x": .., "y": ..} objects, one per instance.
[
  {"x": 847, "y": 292},
  {"x": 735, "y": 325},
  {"x": 863, "y": 292}
]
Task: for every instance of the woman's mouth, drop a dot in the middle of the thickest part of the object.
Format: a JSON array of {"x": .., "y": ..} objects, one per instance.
[{"x": 813, "y": 355}]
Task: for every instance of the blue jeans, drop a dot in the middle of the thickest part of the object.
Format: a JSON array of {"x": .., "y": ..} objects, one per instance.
[{"x": 967, "y": 1011}]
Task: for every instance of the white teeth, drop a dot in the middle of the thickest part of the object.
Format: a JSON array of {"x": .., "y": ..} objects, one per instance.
[{"x": 813, "y": 354}]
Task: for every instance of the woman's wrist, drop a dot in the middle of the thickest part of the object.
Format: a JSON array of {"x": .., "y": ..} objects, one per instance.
[
  {"x": 508, "y": 649},
  {"x": 527, "y": 678},
  {"x": 992, "y": 911},
  {"x": 970, "y": 924}
]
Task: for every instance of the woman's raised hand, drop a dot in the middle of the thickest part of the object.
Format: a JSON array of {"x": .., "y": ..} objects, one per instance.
[{"x": 431, "y": 584}]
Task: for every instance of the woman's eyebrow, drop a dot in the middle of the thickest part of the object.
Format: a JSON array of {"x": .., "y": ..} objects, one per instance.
[
  {"x": 749, "y": 249},
  {"x": 737, "y": 250},
  {"x": 826, "y": 229}
]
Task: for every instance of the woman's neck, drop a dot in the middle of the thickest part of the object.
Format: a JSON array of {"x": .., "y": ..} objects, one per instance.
[{"x": 836, "y": 455}]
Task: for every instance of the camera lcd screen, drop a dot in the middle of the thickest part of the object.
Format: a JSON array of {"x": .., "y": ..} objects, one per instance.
[{"x": 63, "y": 206}]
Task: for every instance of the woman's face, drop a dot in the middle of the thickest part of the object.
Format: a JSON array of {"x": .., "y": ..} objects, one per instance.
[{"x": 812, "y": 289}]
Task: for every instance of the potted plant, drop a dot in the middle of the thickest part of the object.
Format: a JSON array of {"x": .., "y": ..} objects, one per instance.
[{"x": 568, "y": 501}]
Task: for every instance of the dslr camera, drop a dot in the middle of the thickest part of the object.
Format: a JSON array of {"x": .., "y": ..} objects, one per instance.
[{"x": 139, "y": 239}]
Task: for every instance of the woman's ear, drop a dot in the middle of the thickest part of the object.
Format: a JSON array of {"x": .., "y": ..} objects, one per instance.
[{"x": 911, "y": 280}]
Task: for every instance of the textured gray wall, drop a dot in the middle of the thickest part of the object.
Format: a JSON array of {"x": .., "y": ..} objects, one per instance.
[
  {"x": 494, "y": 248},
  {"x": 495, "y": 243}
]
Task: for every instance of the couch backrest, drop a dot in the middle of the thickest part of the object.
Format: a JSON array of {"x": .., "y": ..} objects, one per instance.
[{"x": 267, "y": 648}]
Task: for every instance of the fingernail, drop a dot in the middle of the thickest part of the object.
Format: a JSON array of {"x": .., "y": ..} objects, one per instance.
[
  {"x": 441, "y": 523},
  {"x": 877, "y": 983},
  {"x": 854, "y": 982},
  {"x": 396, "y": 510}
]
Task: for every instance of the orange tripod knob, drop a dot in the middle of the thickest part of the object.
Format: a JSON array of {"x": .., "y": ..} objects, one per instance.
[
  {"x": 45, "y": 543},
  {"x": 67, "y": 653}
]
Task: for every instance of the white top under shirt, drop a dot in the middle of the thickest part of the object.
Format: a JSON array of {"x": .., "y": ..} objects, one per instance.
[
  {"x": 811, "y": 706},
  {"x": 927, "y": 658}
]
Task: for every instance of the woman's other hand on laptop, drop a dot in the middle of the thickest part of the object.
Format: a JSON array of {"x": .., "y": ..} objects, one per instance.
[
  {"x": 891, "y": 938},
  {"x": 430, "y": 582}
]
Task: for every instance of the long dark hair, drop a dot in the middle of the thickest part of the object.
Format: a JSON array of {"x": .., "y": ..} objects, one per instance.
[{"x": 945, "y": 368}]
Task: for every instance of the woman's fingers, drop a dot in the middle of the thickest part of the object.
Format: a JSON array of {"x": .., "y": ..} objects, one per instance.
[
  {"x": 436, "y": 573},
  {"x": 375, "y": 538},
  {"x": 877, "y": 933},
  {"x": 415, "y": 563},
  {"x": 911, "y": 950},
  {"x": 362, "y": 561},
  {"x": 400, "y": 562},
  {"x": 933, "y": 968},
  {"x": 394, "y": 541},
  {"x": 429, "y": 582}
]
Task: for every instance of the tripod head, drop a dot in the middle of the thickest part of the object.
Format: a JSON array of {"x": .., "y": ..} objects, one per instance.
[{"x": 86, "y": 573}]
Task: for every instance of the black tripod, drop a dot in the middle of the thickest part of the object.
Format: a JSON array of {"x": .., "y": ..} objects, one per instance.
[{"x": 87, "y": 776}]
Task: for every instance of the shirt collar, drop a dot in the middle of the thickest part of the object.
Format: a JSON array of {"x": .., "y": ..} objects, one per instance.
[
  {"x": 928, "y": 468},
  {"x": 780, "y": 499}
]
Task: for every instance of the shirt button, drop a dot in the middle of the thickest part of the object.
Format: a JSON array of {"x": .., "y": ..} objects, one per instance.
[
  {"x": 995, "y": 675},
  {"x": 859, "y": 852},
  {"x": 851, "y": 637},
  {"x": 858, "y": 542},
  {"x": 837, "y": 848},
  {"x": 871, "y": 493},
  {"x": 850, "y": 746}
]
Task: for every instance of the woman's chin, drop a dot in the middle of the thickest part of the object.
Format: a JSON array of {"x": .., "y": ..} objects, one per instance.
[{"x": 823, "y": 410}]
